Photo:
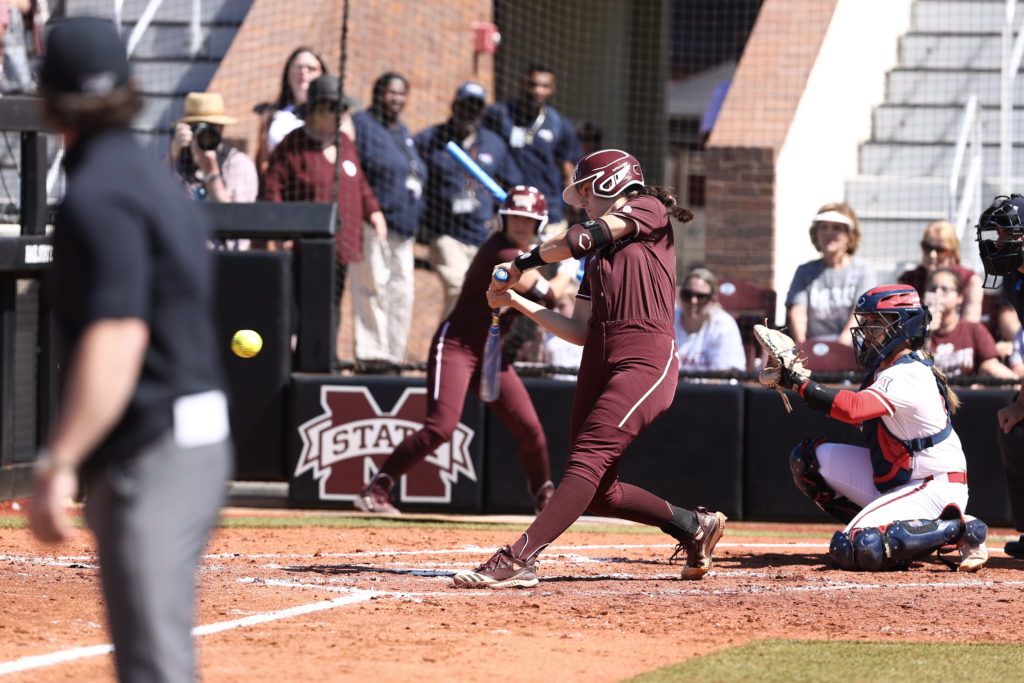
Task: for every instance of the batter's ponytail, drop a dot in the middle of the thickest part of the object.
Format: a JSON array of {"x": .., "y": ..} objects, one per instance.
[{"x": 665, "y": 196}]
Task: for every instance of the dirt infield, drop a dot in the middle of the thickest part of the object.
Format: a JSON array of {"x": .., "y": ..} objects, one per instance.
[{"x": 377, "y": 603}]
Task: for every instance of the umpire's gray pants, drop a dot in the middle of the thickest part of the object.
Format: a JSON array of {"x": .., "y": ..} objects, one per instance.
[{"x": 151, "y": 515}]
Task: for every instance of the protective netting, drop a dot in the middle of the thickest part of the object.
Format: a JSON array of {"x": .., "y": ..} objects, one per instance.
[{"x": 756, "y": 112}]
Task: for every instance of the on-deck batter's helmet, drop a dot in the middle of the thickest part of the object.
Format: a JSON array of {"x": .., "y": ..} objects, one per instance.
[
  {"x": 905, "y": 320},
  {"x": 612, "y": 171},
  {"x": 1001, "y": 251},
  {"x": 524, "y": 200}
]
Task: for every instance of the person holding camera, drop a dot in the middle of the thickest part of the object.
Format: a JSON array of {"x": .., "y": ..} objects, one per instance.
[{"x": 210, "y": 168}]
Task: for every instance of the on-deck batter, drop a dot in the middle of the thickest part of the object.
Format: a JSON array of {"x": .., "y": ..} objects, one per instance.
[{"x": 456, "y": 358}]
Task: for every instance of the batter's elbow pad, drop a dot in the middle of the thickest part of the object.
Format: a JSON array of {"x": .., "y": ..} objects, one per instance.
[
  {"x": 803, "y": 463},
  {"x": 818, "y": 396},
  {"x": 586, "y": 238}
]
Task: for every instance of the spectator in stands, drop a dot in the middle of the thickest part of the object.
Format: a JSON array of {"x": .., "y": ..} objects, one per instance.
[
  {"x": 1016, "y": 355},
  {"x": 302, "y": 170},
  {"x": 543, "y": 142},
  {"x": 210, "y": 168},
  {"x": 287, "y": 112},
  {"x": 459, "y": 211},
  {"x": 959, "y": 346},
  {"x": 384, "y": 277},
  {"x": 940, "y": 248},
  {"x": 17, "y": 74},
  {"x": 707, "y": 338},
  {"x": 557, "y": 352},
  {"x": 591, "y": 137},
  {"x": 820, "y": 301}
]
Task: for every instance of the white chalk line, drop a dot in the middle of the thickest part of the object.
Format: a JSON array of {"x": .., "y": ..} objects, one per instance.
[{"x": 353, "y": 596}]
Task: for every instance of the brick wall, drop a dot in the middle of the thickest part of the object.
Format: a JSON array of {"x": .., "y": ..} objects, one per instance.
[
  {"x": 751, "y": 129},
  {"x": 431, "y": 44}
]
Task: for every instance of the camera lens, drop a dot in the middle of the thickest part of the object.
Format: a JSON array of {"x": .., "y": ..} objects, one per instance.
[{"x": 207, "y": 137}]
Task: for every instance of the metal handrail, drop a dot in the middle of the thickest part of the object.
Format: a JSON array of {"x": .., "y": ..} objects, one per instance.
[
  {"x": 969, "y": 147},
  {"x": 143, "y": 24},
  {"x": 967, "y": 123},
  {"x": 195, "y": 35}
]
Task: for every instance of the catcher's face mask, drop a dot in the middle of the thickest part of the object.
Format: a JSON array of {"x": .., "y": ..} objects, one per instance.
[
  {"x": 887, "y": 318},
  {"x": 1001, "y": 238}
]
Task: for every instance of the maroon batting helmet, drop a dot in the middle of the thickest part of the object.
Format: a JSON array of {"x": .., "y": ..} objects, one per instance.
[
  {"x": 527, "y": 201},
  {"x": 612, "y": 170}
]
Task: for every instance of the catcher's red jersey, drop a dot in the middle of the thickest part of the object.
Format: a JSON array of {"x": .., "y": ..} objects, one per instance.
[{"x": 634, "y": 277}]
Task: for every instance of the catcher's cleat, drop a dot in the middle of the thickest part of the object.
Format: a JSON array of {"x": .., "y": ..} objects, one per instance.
[
  {"x": 702, "y": 545},
  {"x": 543, "y": 495},
  {"x": 973, "y": 556},
  {"x": 376, "y": 497},
  {"x": 503, "y": 570},
  {"x": 1015, "y": 548}
]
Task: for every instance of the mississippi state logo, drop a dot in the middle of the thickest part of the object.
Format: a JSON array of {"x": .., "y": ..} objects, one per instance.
[{"x": 345, "y": 445}]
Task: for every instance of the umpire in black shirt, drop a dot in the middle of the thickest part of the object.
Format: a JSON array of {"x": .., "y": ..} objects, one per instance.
[{"x": 143, "y": 418}]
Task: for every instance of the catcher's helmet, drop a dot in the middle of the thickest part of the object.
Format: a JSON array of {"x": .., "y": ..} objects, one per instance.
[
  {"x": 905, "y": 320},
  {"x": 612, "y": 170},
  {"x": 1000, "y": 232},
  {"x": 527, "y": 201}
]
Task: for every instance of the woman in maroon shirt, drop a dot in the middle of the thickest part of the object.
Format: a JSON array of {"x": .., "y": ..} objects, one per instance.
[
  {"x": 959, "y": 346},
  {"x": 302, "y": 170},
  {"x": 623, "y": 318}
]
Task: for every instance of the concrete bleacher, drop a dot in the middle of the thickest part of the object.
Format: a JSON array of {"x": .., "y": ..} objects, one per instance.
[{"x": 951, "y": 51}]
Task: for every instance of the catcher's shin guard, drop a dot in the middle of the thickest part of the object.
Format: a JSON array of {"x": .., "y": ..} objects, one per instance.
[
  {"x": 897, "y": 545},
  {"x": 803, "y": 463}
]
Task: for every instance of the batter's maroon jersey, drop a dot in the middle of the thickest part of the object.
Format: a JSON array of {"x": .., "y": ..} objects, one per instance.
[{"x": 634, "y": 277}]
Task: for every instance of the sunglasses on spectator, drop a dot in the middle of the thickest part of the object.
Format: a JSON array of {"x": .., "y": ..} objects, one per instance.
[
  {"x": 937, "y": 248},
  {"x": 699, "y": 296},
  {"x": 942, "y": 288}
]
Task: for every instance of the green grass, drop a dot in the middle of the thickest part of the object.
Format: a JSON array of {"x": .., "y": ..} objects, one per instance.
[{"x": 849, "y": 662}]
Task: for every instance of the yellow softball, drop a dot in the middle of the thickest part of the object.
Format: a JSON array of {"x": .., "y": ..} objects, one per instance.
[{"x": 246, "y": 343}]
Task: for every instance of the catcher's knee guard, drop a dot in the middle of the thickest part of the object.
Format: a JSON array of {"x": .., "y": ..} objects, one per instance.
[
  {"x": 975, "y": 532},
  {"x": 897, "y": 545},
  {"x": 803, "y": 463}
]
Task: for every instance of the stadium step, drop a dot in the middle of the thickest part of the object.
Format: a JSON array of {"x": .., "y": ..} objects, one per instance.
[
  {"x": 951, "y": 51},
  {"x": 902, "y": 123},
  {"x": 927, "y": 160},
  {"x": 212, "y": 11},
  {"x": 942, "y": 87},
  {"x": 961, "y": 16}
]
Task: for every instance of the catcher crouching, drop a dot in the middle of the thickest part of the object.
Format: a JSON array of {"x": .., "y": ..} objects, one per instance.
[{"x": 902, "y": 496}]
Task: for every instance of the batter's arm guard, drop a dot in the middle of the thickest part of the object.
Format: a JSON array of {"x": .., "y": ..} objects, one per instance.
[{"x": 586, "y": 238}]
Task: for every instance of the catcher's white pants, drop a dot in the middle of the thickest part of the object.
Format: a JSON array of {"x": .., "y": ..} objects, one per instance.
[
  {"x": 847, "y": 469},
  {"x": 382, "y": 297}
]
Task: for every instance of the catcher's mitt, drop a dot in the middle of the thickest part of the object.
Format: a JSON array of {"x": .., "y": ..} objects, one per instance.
[{"x": 784, "y": 368}]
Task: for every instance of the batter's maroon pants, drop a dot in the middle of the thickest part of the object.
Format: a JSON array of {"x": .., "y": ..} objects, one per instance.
[{"x": 627, "y": 378}]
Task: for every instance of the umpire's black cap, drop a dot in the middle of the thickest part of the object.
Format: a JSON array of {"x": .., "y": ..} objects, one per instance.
[{"x": 84, "y": 55}]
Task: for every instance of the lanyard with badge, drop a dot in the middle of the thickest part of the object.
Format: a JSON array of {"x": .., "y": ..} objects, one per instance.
[
  {"x": 522, "y": 136},
  {"x": 414, "y": 180},
  {"x": 465, "y": 201}
]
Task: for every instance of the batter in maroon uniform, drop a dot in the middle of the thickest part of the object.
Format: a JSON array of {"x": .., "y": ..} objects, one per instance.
[
  {"x": 456, "y": 358},
  {"x": 623, "y": 319}
]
